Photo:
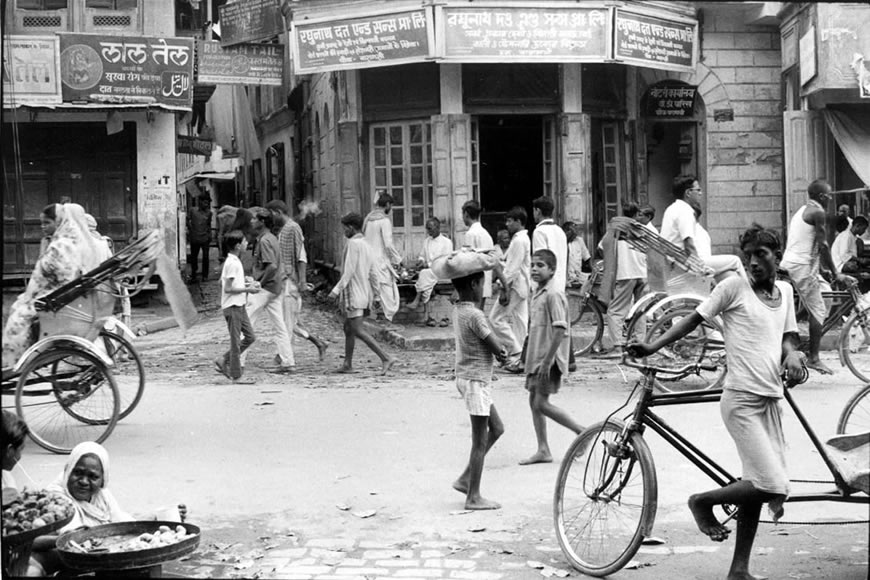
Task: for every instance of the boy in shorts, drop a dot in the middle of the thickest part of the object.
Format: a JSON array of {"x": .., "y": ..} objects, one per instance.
[
  {"x": 475, "y": 348},
  {"x": 761, "y": 341},
  {"x": 547, "y": 354}
]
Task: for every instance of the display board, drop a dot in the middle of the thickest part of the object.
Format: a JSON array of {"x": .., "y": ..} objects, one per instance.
[
  {"x": 654, "y": 41},
  {"x": 241, "y": 64},
  {"x": 31, "y": 70},
  {"x": 670, "y": 100},
  {"x": 250, "y": 20}
]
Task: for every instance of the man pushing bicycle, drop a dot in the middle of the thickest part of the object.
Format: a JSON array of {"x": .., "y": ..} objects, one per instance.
[{"x": 761, "y": 341}]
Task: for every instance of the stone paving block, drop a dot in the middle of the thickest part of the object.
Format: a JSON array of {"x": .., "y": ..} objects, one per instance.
[
  {"x": 450, "y": 564},
  {"x": 326, "y": 553},
  {"x": 362, "y": 571},
  {"x": 478, "y": 575},
  {"x": 431, "y": 554},
  {"x": 354, "y": 562},
  {"x": 434, "y": 544},
  {"x": 387, "y": 554},
  {"x": 419, "y": 573},
  {"x": 302, "y": 562},
  {"x": 288, "y": 574},
  {"x": 334, "y": 577},
  {"x": 478, "y": 555},
  {"x": 331, "y": 543},
  {"x": 313, "y": 570},
  {"x": 398, "y": 563},
  {"x": 273, "y": 562},
  {"x": 370, "y": 545},
  {"x": 512, "y": 566},
  {"x": 288, "y": 553}
]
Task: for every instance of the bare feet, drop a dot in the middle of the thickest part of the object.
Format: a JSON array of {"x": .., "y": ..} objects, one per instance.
[
  {"x": 461, "y": 486},
  {"x": 344, "y": 369},
  {"x": 819, "y": 366},
  {"x": 744, "y": 576},
  {"x": 537, "y": 458},
  {"x": 480, "y": 503},
  {"x": 387, "y": 365},
  {"x": 321, "y": 349},
  {"x": 707, "y": 522}
]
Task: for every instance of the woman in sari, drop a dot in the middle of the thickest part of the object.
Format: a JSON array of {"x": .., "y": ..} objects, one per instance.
[{"x": 71, "y": 252}]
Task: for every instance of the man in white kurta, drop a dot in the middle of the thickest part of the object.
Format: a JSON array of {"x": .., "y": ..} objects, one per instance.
[
  {"x": 477, "y": 238},
  {"x": 435, "y": 246},
  {"x": 510, "y": 322},
  {"x": 378, "y": 232},
  {"x": 549, "y": 236}
]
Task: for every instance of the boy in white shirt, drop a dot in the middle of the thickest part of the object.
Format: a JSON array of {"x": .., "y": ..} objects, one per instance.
[{"x": 234, "y": 291}]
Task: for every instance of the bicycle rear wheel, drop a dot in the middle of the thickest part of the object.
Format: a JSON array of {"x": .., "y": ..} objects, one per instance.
[
  {"x": 127, "y": 370},
  {"x": 605, "y": 500},
  {"x": 855, "y": 345},
  {"x": 67, "y": 396},
  {"x": 587, "y": 323},
  {"x": 704, "y": 345},
  {"x": 855, "y": 417}
]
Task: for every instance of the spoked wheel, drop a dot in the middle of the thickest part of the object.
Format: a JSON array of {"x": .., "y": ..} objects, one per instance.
[
  {"x": 67, "y": 396},
  {"x": 128, "y": 371},
  {"x": 855, "y": 417},
  {"x": 703, "y": 345},
  {"x": 587, "y": 323},
  {"x": 605, "y": 500},
  {"x": 855, "y": 345}
]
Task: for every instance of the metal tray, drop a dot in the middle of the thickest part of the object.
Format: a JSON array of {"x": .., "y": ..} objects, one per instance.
[
  {"x": 125, "y": 560},
  {"x": 30, "y": 535}
]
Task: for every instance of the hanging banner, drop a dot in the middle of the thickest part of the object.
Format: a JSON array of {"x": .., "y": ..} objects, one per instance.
[
  {"x": 670, "y": 100},
  {"x": 649, "y": 40},
  {"x": 194, "y": 145},
  {"x": 250, "y": 21},
  {"x": 31, "y": 70},
  {"x": 472, "y": 33},
  {"x": 380, "y": 39},
  {"x": 242, "y": 64},
  {"x": 127, "y": 69}
]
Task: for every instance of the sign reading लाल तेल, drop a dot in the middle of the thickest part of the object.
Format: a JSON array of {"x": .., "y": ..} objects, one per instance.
[
  {"x": 362, "y": 42},
  {"x": 241, "y": 64},
  {"x": 655, "y": 42},
  {"x": 127, "y": 70},
  {"x": 31, "y": 70}
]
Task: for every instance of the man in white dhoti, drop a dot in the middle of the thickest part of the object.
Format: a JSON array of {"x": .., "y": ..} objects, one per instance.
[
  {"x": 378, "y": 232},
  {"x": 435, "y": 246}
]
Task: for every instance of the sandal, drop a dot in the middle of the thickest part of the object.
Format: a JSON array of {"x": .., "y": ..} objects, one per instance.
[
  {"x": 445, "y": 322},
  {"x": 431, "y": 322}
]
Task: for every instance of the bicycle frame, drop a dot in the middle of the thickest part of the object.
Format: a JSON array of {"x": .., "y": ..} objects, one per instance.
[{"x": 643, "y": 417}]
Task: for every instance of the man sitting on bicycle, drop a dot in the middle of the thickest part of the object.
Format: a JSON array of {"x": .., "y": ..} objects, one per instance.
[{"x": 760, "y": 334}]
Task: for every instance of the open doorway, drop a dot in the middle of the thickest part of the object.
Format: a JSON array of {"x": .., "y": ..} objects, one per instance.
[
  {"x": 511, "y": 165},
  {"x": 671, "y": 151}
]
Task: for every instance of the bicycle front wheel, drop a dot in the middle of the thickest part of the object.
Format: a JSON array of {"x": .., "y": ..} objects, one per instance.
[
  {"x": 855, "y": 417},
  {"x": 67, "y": 396},
  {"x": 587, "y": 323},
  {"x": 855, "y": 345},
  {"x": 128, "y": 371},
  {"x": 605, "y": 500}
]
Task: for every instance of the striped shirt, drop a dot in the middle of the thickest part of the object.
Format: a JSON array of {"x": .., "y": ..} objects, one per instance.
[
  {"x": 473, "y": 357},
  {"x": 290, "y": 244}
]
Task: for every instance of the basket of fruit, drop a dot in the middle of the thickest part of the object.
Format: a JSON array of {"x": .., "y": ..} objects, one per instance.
[
  {"x": 33, "y": 514},
  {"x": 127, "y": 545}
]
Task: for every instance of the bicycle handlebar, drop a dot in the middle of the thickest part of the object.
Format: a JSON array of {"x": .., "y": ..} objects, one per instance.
[{"x": 689, "y": 369}]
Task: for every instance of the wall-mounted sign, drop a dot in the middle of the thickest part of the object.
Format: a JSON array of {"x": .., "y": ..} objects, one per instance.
[
  {"x": 194, "y": 145},
  {"x": 808, "y": 55},
  {"x": 242, "y": 64},
  {"x": 249, "y": 21},
  {"x": 31, "y": 70},
  {"x": 670, "y": 100},
  {"x": 127, "y": 69},
  {"x": 472, "y": 33},
  {"x": 653, "y": 41},
  {"x": 380, "y": 39}
]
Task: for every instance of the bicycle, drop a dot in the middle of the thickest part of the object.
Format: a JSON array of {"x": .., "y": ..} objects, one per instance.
[
  {"x": 606, "y": 493},
  {"x": 586, "y": 313},
  {"x": 855, "y": 417}
]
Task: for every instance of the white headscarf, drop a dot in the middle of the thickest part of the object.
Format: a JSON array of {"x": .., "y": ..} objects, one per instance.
[{"x": 102, "y": 507}]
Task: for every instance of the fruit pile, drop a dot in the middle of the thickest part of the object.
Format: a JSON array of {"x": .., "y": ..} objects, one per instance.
[
  {"x": 164, "y": 536},
  {"x": 34, "y": 509}
]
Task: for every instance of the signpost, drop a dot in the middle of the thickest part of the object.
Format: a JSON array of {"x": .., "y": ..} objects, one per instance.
[
  {"x": 671, "y": 101},
  {"x": 31, "y": 71},
  {"x": 242, "y": 64},
  {"x": 523, "y": 34},
  {"x": 127, "y": 70},
  {"x": 194, "y": 145},
  {"x": 249, "y": 21},
  {"x": 646, "y": 39},
  {"x": 378, "y": 39}
]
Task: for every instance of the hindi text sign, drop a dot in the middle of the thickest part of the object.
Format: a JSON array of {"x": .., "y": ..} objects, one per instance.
[
  {"x": 523, "y": 34},
  {"x": 31, "y": 70},
  {"x": 670, "y": 101},
  {"x": 241, "y": 64},
  {"x": 362, "y": 42},
  {"x": 127, "y": 70},
  {"x": 194, "y": 145},
  {"x": 655, "y": 42},
  {"x": 250, "y": 21}
]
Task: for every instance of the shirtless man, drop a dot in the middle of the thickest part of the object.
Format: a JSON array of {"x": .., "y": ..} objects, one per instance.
[{"x": 807, "y": 246}]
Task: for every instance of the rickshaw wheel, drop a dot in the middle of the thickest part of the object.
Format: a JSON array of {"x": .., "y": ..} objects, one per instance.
[{"x": 67, "y": 396}]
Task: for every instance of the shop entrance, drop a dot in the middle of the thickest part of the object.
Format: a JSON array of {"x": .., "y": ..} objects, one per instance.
[
  {"x": 509, "y": 169},
  {"x": 671, "y": 151}
]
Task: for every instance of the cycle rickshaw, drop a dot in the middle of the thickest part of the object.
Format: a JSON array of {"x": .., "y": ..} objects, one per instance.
[{"x": 82, "y": 374}]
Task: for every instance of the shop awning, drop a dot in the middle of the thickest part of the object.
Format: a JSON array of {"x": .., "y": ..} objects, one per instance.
[{"x": 216, "y": 175}]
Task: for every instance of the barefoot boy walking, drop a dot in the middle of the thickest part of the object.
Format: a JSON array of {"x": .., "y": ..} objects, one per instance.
[
  {"x": 547, "y": 354},
  {"x": 475, "y": 348},
  {"x": 760, "y": 339}
]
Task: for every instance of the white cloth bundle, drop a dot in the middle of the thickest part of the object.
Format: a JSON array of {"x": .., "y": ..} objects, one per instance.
[{"x": 463, "y": 262}]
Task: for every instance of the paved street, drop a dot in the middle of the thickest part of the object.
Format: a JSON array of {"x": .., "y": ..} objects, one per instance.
[{"x": 328, "y": 476}]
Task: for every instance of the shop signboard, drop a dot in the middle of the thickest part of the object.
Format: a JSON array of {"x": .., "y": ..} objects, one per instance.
[
  {"x": 371, "y": 40},
  {"x": 127, "y": 70},
  {"x": 241, "y": 64},
  {"x": 194, "y": 145},
  {"x": 671, "y": 101},
  {"x": 31, "y": 70},
  {"x": 653, "y": 41},
  {"x": 481, "y": 33},
  {"x": 808, "y": 55},
  {"x": 249, "y": 21}
]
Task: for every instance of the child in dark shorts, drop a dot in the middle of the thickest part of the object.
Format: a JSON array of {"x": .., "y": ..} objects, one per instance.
[{"x": 547, "y": 354}]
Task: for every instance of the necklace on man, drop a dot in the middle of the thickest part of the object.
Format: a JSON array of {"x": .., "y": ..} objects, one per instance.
[{"x": 767, "y": 293}]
